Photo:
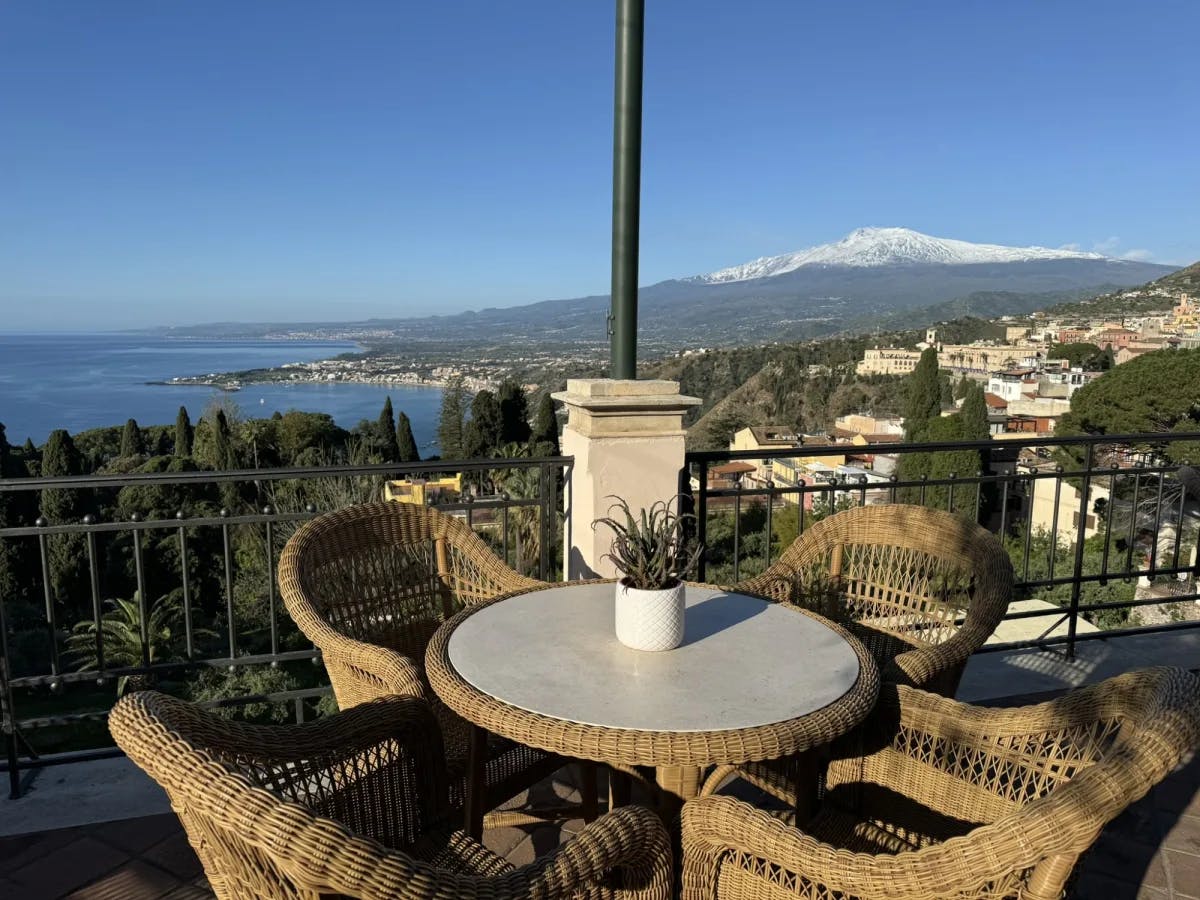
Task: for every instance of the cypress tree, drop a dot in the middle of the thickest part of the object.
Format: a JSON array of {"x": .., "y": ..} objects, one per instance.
[
  {"x": 514, "y": 413},
  {"x": 60, "y": 458},
  {"x": 545, "y": 426},
  {"x": 131, "y": 440},
  {"x": 389, "y": 445},
  {"x": 974, "y": 415},
  {"x": 222, "y": 442},
  {"x": 183, "y": 433},
  {"x": 924, "y": 394},
  {"x": 8, "y": 550},
  {"x": 405, "y": 443},
  {"x": 65, "y": 552},
  {"x": 451, "y": 418},
  {"x": 482, "y": 435},
  {"x": 33, "y": 461}
]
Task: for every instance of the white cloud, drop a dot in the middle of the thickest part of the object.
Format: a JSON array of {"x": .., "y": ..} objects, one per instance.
[{"x": 1111, "y": 246}]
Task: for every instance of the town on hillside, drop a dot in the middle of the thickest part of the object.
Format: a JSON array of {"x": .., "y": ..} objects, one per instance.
[{"x": 1027, "y": 381}]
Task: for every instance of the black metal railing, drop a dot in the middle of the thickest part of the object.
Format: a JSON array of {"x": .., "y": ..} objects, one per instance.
[
  {"x": 193, "y": 554},
  {"x": 1039, "y": 495}
]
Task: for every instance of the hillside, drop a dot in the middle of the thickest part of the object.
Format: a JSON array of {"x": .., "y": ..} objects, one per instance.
[
  {"x": 805, "y": 385},
  {"x": 1160, "y": 294}
]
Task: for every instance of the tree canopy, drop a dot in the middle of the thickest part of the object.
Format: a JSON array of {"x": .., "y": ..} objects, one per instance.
[
  {"x": 514, "y": 413},
  {"x": 406, "y": 444},
  {"x": 1156, "y": 392},
  {"x": 451, "y": 419},
  {"x": 482, "y": 435},
  {"x": 132, "y": 443},
  {"x": 389, "y": 447},
  {"x": 183, "y": 433},
  {"x": 924, "y": 394},
  {"x": 545, "y": 427},
  {"x": 1083, "y": 355}
]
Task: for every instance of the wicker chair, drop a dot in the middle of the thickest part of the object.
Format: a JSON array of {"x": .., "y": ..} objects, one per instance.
[
  {"x": 369, "y": 585},
  {"x": 1023, "y": 792},
  {"x": 356, "y": 805},
  {"x": 900, "y": 578}
]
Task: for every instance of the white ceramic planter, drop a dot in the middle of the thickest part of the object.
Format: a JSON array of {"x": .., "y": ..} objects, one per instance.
[{"x": 650, "y": 620}]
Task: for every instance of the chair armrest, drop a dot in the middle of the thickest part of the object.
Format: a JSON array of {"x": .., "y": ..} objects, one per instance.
[
  {"x": 928, "y": 667},
  {"x": 363, "y": 672},
  {"x": 630, "y": 841},
  {"x": 721, "y": 832}
]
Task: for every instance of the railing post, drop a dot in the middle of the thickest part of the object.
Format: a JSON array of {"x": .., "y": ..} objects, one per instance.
[
  {"x": 544, "y": 515},
  {"x": 8, "y": 715},
  {"x": 1080, "y": 538},
  {"x": 702, "y": 522}
]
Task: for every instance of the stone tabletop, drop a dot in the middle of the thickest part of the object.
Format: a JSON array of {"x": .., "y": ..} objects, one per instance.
[{"x": 744, "y": 661}]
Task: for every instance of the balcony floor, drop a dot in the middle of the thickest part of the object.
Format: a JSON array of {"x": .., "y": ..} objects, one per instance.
[{"x": 1152, "y": 852}]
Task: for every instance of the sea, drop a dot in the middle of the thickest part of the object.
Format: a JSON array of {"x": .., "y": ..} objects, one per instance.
[{"x": 82, "y": 381}]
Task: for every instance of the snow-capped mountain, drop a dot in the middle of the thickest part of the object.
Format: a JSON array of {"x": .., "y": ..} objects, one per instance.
[{"x": 872, "y": 247}]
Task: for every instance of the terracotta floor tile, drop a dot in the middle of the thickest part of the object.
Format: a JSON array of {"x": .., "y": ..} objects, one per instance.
[
  {"x": 1117, "y": 857},
  {"x": 1181, "y": 832},
  {"x": 58, "y": 873},
  {"x": 189, "y": 892},
  {"x": 23, "y": 849},
  {"x": 1185, "y": 873},
  {"x": 134, "y": 881},
  {"x": 135, "y": 835},
  {"x": 175, "y": 855},
  {"x": 502, "y": 841},
  {"x": 1092, "y": 886}
]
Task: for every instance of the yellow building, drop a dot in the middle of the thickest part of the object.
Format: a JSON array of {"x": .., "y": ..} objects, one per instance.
[
  {"x": 764, "y": 437},
  {"x": 421, "y": 490}
]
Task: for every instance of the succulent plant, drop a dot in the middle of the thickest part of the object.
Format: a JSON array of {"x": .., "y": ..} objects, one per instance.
[{"x": 650, "y": 551}]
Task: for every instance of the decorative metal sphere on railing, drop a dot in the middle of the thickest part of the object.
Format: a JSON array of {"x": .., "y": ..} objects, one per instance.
[
  {"x": 56, "y": 685},
  {"x": 180, "y": 514},
  {"x": 89, "y": 519},
  {"x": 224, "y": 514},
  {"x": 135, "y": 517},
  {"x": 41, "y": 522},
  {"x": 267, "y": 510},
  {"x": 310, "y": 507}
]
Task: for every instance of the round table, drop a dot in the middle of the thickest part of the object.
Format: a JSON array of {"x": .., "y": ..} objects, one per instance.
[{"x": 753, "y": 680}]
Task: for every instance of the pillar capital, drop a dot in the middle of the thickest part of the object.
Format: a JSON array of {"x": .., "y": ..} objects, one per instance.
[{"x": 627, "y": 440}]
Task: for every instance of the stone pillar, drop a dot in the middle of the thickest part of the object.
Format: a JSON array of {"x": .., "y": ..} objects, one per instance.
[{"x": 627, "y": 441}]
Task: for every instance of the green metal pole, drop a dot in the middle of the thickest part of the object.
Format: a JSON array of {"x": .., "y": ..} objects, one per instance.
[{"x": 627, "y": 184}]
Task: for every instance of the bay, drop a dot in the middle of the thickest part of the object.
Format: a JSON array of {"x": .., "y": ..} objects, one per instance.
[{"x": 82, "y": 381}]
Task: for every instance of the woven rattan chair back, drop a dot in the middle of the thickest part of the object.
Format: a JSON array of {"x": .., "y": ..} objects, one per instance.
[
  {"x": 256, "y": 801},
  {"x": 355, "y": 805},
  {"x": 386, "y": 574},
  {"x": 905, "y": 577},
  {"x": 945, "y": 799}
]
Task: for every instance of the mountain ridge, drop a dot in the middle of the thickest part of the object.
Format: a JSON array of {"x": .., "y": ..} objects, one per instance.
[{"x": 805, "y": 302}]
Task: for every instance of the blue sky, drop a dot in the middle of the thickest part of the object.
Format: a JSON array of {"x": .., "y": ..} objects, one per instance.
[{"x": 188, "y": 162}]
